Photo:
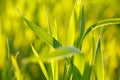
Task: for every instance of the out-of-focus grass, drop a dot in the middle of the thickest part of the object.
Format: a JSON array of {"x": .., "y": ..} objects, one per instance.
[{"x": 44, "y": 13}]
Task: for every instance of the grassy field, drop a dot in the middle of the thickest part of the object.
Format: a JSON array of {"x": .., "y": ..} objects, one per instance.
[{"x": 59, "y": 40}]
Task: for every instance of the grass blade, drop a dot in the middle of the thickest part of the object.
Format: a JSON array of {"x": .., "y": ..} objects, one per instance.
[
  {"x": 42, "y": 34},
  {"x": 40, "y": 64},
  {"x": 60, "y": 53},
  {"x": 87, "y": 71},
  {"x": 16, "y": 68},
  {"x": 76, "y": 73},
  {"x": 72, "y": 24},
  {"x": 54, "y": 64},
  {"x": 66, "y": 68},
  {"x": 55, "y": 34},
  {"x": 71, "y": 72},
  {"x": 99, "y": 62},
  {"x": 101, "y": 24},
  {"x": 82, "y": 28},
  {"x": 9, "y": 69},
  {"x": 79, "y": 62}
]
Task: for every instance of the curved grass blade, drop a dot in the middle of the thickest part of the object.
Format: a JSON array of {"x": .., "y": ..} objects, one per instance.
[
  {"x": 82, "y": 28},
  {"x": 99, "y": 70},
  {"x": 72, "y": 24},
  {"x": 60, "y": 53},
  {"x": 16, "y": 68},
  {"x": 40, "y": 63},
  {"x": 42, "y": 34},
  {"x": 101, "y": 24}
]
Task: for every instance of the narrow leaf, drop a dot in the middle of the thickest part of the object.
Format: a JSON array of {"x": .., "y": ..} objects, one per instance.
[
  {"x": 76, "y": 73},
  {"x": 55, "y": 31},
  {"x": 87, "y": 71},
  {"x": 101, "y": 24},
  {"x": 54, "y": 64},
  {"x": 79, "y": 62},
  {"x": 60, "y": 53},
  {"x": 72, "y": 24},
  {"x": 65, "y": 71},
  {"x": 9, "y": 67},
  {"x": 99, "y": 62},
  {"x": 40, "y": 64},
  {"x": 42, "y": 34},
  {"x": 82, "y": 27},
  {"x": 69, "y": 75},
  {"x": 16, "y": 68}
]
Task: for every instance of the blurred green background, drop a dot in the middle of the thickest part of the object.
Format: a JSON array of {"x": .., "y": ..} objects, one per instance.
[{"x": 43, "y": 13}]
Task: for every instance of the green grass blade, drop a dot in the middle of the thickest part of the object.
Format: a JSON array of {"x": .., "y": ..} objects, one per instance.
[
  {"x": 42, "y": 34},
  {"x": 87, "y": 71},
  {"x": 40, "y": 63},
  {"x": 9, "y": 67},
  {"x": 17, "y": 72},
  {"x": 82, "y": 28},
  {"x": 79, "y": 62},
  {"x": 99, "y": 70},
  {"x": 60, "y": 53},
  {"x": 101, "y": 24},
  {"x": 68, "y": 70},
  {"x": 55, "y": 31},
  {"x": 76, "y": 73},
  {"x": 65, "y": 70},
  {"x": 72, "y": 24},
  {"x": 54, "y": 64},
  {"x": 69, "y": 74}
]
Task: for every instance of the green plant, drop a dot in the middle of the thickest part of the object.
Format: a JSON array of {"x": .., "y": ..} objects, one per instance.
[{"x": 71, "y": 70}]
